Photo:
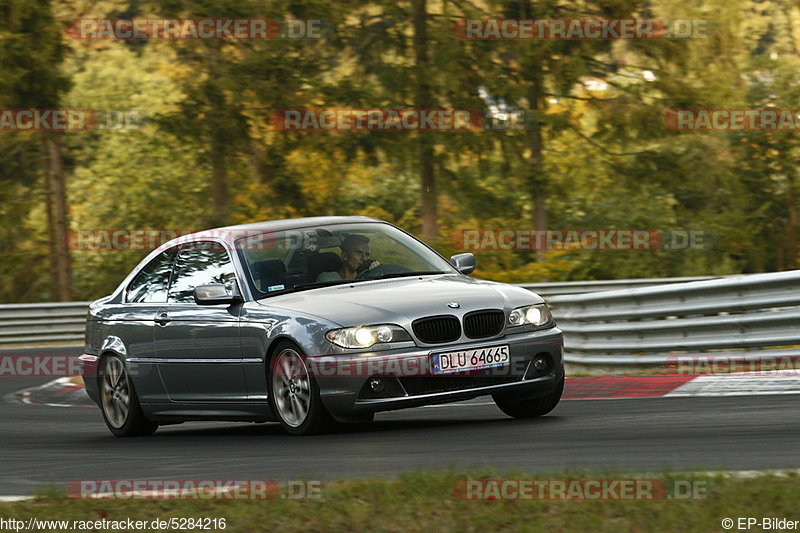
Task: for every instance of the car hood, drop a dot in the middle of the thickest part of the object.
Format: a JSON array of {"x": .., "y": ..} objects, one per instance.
[{"x": 402, "y": 300}]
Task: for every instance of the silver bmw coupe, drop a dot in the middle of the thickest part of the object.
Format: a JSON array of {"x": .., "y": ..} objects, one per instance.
[{"x": 312, "y": 322}]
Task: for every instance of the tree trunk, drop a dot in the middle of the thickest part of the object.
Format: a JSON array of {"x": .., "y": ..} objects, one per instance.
[
  {"x": 219, "y": 183},
  {"x": 423, "y": 100},
  {"x": 430, "y": 227},
  {"x": 220, "y": 130},
  {"x": 792, "y": 226},
  {"x": 537, "y": 181},
  {"x": 57, "y": 218}
]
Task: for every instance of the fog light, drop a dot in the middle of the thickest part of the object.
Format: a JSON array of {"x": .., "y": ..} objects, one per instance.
[
  {"x": 376, "y": 385},
  {"x": 540, "y": 363}
]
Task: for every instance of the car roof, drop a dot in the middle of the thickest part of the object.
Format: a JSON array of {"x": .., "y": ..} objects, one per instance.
[
  {"x": 232, "y": 233},
  {"x": 302, "y": 222}
]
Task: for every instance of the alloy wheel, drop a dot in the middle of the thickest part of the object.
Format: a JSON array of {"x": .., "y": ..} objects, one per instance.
[
  {"x": 291, "y": 387},
  {"x": 115, "y": 392}
]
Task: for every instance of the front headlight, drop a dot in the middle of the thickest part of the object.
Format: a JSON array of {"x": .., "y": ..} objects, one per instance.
[
  {"x": 537, "y": 315},
  {"x": 366, "y": 336}
]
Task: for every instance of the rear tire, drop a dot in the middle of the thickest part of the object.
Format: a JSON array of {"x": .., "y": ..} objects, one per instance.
[
  {"x": 294, "y": 394},
  {"x": 118, "y": 401},
  {"x": 530, "y": 408}
]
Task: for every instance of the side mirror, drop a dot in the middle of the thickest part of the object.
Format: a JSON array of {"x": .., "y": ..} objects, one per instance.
[
  {"x": 214, "y": 294},
  {"x": 464, "y": 263}
]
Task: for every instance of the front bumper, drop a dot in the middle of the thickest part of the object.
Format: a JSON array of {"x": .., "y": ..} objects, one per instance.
[{"x": 345, "y": 391}]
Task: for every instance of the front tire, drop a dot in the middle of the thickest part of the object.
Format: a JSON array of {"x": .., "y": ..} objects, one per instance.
[
  {"x": 530, "y": 408},
  {"x": 118, "y": 401},
  {"x": 294, "y": 394}
]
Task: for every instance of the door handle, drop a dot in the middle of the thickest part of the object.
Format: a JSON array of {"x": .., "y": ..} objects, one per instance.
[{"x": 162, "y": 319}]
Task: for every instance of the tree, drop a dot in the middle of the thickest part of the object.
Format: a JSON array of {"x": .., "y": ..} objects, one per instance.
[{"x": 31, "y": 52}]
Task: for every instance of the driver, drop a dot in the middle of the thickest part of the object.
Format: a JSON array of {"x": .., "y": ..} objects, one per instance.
[{"x": 355, "y": 253}]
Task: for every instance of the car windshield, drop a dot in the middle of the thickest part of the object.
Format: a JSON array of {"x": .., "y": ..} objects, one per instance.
[{"x": 319, "y": 256}]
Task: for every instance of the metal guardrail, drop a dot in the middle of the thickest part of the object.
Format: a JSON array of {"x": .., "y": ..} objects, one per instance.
[
  {"x": 748, "y": 317},
  {"x": 620, "y": 322},
  {"x": 64, "y": 322},
  {"x": 581, "y": 287},
  {"x": 43, "y": 323}
]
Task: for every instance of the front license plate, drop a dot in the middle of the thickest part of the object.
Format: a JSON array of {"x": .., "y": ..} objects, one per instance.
[{"x": 476, "y": 359}]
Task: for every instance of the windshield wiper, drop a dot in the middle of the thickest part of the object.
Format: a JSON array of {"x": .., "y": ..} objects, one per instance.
[
  {"x": 315, "y": 285},
  {"x": 319, "y": 284}
]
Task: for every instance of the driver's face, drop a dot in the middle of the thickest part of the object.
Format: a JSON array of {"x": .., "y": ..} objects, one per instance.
[{"x": 356, "y": 255}]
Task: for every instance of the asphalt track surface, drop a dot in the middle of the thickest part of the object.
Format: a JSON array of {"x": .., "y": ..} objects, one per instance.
[{"x": 44, "y": 445}]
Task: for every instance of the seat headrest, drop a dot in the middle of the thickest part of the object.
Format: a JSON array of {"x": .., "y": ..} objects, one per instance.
[
  {"x": 325, "y": 262},
  {"x": 268, "y": 268}
]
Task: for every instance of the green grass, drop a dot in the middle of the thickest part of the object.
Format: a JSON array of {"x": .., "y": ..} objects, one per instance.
[{"x": 425, "y": 502}]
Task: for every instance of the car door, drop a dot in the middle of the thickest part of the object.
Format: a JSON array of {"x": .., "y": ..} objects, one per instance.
[
  {"x": 133, "y": 323},
  {"x": 198, "y": 348}
]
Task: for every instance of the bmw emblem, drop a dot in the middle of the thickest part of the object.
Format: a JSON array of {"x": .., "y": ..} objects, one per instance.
[{"x": 453, "y": 305}]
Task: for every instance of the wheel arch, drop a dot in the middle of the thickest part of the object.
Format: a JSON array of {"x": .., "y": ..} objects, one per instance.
[
  {"x": 111, "y": 345},
  {"x": 272, "y": 349}
]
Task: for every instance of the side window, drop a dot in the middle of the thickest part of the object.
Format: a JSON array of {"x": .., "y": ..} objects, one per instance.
[
  {"x": 152, "y": 281},
  {"x": 200, "y": 263}
]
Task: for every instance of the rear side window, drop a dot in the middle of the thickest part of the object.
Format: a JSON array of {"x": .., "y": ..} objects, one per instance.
[
  {"x": 200, "y": 263},
  {"x": 152, "y": 281}
]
